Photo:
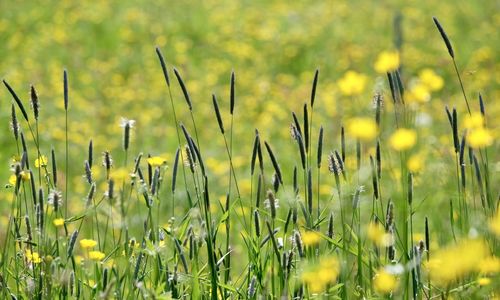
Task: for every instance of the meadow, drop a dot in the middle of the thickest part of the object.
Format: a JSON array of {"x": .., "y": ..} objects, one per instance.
[{"x": 250, "y": 150}]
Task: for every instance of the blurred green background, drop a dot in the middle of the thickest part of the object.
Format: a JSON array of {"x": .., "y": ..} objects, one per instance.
[{"x": 273, "y": 47}]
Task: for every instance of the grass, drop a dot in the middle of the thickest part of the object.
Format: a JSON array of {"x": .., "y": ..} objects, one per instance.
[{"x": 372, "y": 201}]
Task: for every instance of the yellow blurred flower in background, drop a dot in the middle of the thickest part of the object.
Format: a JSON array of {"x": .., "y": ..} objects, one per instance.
[
  {"x": 352, "y": 83},
  {"x": 364, "y": 129},
  {"x": 156, "y": 161},
  {"x": 318, "y": 275},
  {"x": 431, "y": 80},
  {"x": 87, "y": 243},
  {"x": 96, "y": 255},
  {"x": 310, "y": 238},
  {"x": 418, "y": 93},
  {"x": 376, "y": 233},
  {"x": 474, "y": 120},
  {"x": 403, "y": 139},
  {"x": 12, "y": 179},
  {"x": 58, "y": 222},
  {"x": 494, "y": 223},
  {"x": 455, "y": 261},
  {"x": 480, "y": 138},
  {"x": 41, "y": 162},
  {"x": 415, "y": 163},
  {"x": 384, "y": 282},
  {"x": 387, "y": 61},
  {"x": 25, "y": 176},
  {"x": 33, "y": 257}
]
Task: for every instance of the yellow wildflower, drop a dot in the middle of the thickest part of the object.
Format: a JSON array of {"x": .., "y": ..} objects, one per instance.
[
  {"x": 387, "y": 61},
  {"x": 429, "y": 78},
  {"x": 376, "y": 233},
  {"x": 12, "y": 179},
  {"x": 58, "y": 222},
  {"x": 96, "y": 255},
  {"x": 480, "y": 138},
  {"x": 310, "y": 238},
  {"x": 156, "y": 161},
  {"x": 319, "y": 275},
  {"x": 483, "y": 281},
  {"x": 415, "y": 163},
  {"x": 33, "y": 257},
  {"x": 41, "y": 162},
  {"x": 474, "y": 120},
  {"x": 489, "y": 265},
  {"x": 25, "y": 176},
  {"x": 419, "y": 93},
  {"x": 403, "y": 139},
  {"x": 87, "y": 243},
  {"x": 364, "y": 129},
  {"x": 450, "y": 263},
  {"x": 78, "y": 259},
  {"x": 352, "y": 83},
  {"x": 384, "y": 282},
  {"x": 494, "y": 223}
]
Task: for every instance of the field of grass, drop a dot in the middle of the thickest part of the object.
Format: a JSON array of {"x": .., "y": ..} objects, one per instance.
[{"x": 250, "y": 149}]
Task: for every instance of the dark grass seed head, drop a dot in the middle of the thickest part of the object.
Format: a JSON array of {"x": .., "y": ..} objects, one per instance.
[
  {"x": 274, "y": 162},
  {"x": 17, "y": 100},
  {"x": 65, "y": 83},
  {"x": 314, "y": 86},
  {"x": 217, "y": 114},
  {"x": 184, "y": 90},
  {"x": 320, "y": 147},
  {"x": 254, "y": 152},
  {"x": 444, "y": 36},
  {"x": 481, "y": 105},
  {"x": 14, "y": 124},
  {"x": 35, "y": 104},
  {"x": 232, "y": 93},
  {"x": 54, "y": 166},
  {"x": 163, "y": 66},
  {"x": 175, "y": 168},
  {"x": 306, "y": 128},
  {"x": 71, "y": 243}
]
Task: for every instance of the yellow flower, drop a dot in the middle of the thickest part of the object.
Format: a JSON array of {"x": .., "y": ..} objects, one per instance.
[
  {"x": 429, "y": 78},
  {"x": 387, "y": 61},
  {"x": 33, "y": 257},
  {"x": 384, "y": 282},
  {"x": 352, "y": 83},
  {"x": 25, "y": 176},
  {"x": 480, "y": 138},
  {"x": 156, "y": 161},
  {"x": 376, "y": 233},
  {"x": 319, "y": 275},
  {"x": 41, "y": 162},
  {"x": 403, "y": 139},
  {"x": 415, "y": 163},
  {"x": 483, "y": 281},
  {"x": 96, "y": 255},
  {"x": 364, "y": 129},
  {"x": 450, "y": 263},
  {"x": 310, "y": 238},
  {"x": 494, "y": 224},
  {"x": 12, "y": 179},
  {"x": 87, "y": 243},
  {"x": 474, "y": 120},
  {"x": 419, "y": 93},
  {"x": 78, "y": 259},
  {"x": 489, "y": 265},
  {"x": 58, "y": 222}
]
